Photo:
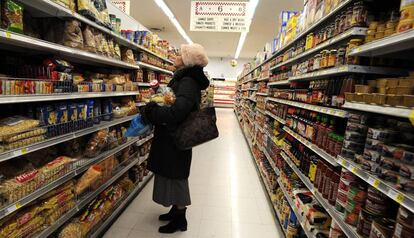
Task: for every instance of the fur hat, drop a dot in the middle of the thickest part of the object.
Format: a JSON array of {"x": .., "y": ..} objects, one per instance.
[{"x": 194, "y": 54}]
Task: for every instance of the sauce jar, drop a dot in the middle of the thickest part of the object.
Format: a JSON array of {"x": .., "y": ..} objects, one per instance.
[
  {"x": 354, "y": 43},
  {"x": 348, "y": 22},
  {"x": 324, "y": 59},
  {"x": 340, "y": 59},
  {"x": 359, "y": 14},
  {"x": 317, "y": 62},
  {"x": 332, "y": 58}
]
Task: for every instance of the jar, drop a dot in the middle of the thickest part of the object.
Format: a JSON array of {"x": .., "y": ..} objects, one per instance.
[
  {"x": 331, "y": 32},
  {"x": 340, "y": 59},
  {"x": 311, "y": 64},
  {"x": 359, "y": 14},
  {"x": 337, "y": 25},
  {"x": 354, "y": 43},
  {"x": 332, "y": 58},
  {"x": 342, "y": 26},
  {"x": 317, "y": 62},
  {"x": 348, "y": 22},
  {"x": 324, "y": 59}
]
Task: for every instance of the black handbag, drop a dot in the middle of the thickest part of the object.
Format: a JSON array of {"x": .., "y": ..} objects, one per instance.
[{"x": 198, "y": 128}]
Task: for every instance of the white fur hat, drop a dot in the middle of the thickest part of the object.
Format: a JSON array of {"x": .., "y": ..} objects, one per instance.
[{"x": 194, "y": 54}]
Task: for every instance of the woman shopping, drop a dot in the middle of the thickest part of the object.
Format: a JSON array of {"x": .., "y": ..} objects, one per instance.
[{"x": 171, "y": 165}]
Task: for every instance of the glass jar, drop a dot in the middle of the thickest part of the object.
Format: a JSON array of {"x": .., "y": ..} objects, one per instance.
[
  {"x": 343, "y": 23},
  {"x": 340, "y": 59},
  {"x": 324, "y": 59},
  {"x": 359, "y": 14},
  {"x": 348, "y": 22},
  {"x": 354, "y": 43},
  {"x": 317, "y": 62},
  {"x": 332, "y": 58},
  {"x": 338, "y": 25}
]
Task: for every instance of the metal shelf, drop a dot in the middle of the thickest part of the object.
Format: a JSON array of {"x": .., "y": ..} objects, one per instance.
[
  {"x": 261, "y": 94},
  {"x": 329, "y": 158},
  {"x": 155, "y": 68},
  {"x": 262, "y": 79},
  {"x": 83, "y": 201},
  {"x": 348, "y": 230},
  {"x": 72, "y": 54},
  {"x": 324, "y": 110},
  {"x": 249, "y": 80},
  {"x": 386, "y": 188},
  {"x": 252, "y": 89},
  {"x": 348, "y": 69},
  {"x": 6, "y": 99},
  {"x": 283, "y": 122},
  {"x": 52, "y": 9},
  {"x": 59, "y": 139},
  {"x": 272, "y": 163},
  {"x": 63, "y": 179},
  {"x": 388, "y": 45},
  {"x": 260, "y": 110},
  {"x": 115, "y": 214},
  {"x": 356, "y": 31},
  {"x": 385, "y": 110},
  {"x": 300, "y": 218},
  {"x": 282, "y": 82}
]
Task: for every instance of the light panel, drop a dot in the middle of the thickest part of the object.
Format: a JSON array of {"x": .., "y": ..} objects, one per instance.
[{"x": 251, "y": 9}]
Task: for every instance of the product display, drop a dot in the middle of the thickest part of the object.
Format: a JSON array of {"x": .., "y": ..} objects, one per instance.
[
  {"x": 340, "y": 172},
  {"x": 66, "y": 165}
]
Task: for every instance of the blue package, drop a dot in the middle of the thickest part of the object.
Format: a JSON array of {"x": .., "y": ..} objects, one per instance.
[
  {"x": 89, "y": 109},
  {"x": 137, "y": 127},
  {"x": 97, "y": 112},
  {"x": 72, "y": 112},
  {"x": 107, "y": 110}
]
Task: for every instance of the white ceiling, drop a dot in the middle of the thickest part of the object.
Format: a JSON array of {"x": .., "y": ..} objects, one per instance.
[{"x": 262, "y": 30}]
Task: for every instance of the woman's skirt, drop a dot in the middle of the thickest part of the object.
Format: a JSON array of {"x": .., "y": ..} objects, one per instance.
[{"x": 168, "y": 192}]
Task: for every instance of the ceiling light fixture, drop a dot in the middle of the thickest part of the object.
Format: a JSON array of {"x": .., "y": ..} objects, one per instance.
[
  {"x": 250, "y": 14},
  {"x": 161, "y": 4}
]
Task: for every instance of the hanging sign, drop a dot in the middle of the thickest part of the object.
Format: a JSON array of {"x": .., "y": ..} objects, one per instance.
[
  {"x": 221, "y": 16},
  {"x": 123, "y": 5}
]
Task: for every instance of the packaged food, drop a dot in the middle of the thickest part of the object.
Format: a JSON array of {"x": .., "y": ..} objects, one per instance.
[
  {"x": 89, "y": 39},
  {"x": 12, "y": 16},
  {"x": 127, "y": 56},
  {"x": 16, "y": 124},
  {"x": 72, "y": 35},
  {"x": 71, "y": 230},
  {"x": 107, "y": 110},
  {"x": 354, "y": 136},
  {"x": 97, "y": 143},
  {"x": 384, "y": 135},
  {"x": 90, "y": 177},
  {"x": 164, "y": 96}
]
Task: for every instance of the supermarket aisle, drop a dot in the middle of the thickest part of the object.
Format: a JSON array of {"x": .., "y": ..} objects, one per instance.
[{"x": 228, "y": 199}]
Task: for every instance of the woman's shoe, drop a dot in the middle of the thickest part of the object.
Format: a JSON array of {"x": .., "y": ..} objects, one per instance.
[
  {"x": 178, "y": 223},
  {"x": 170, "y": 215}
]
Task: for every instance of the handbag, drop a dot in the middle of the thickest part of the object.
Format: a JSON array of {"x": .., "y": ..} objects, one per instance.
[{"x": 198, "y": 128}]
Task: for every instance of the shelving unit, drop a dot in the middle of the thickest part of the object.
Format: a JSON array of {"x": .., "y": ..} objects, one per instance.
[
  {"x": 325, "y": 110},
  {"x": 393, "y": 44},
  {"x": 276, "y": 117},
  {"x": 390, "y": 111}
]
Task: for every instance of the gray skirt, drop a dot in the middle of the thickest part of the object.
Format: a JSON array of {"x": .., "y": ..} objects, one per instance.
[{"x": 168, "y": 192}]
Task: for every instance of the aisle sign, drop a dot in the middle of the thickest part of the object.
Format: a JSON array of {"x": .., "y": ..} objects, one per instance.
[{"x": 221, "y": 16}]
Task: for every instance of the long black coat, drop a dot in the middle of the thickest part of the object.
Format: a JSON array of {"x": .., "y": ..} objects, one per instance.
[{"x": 165, "y": 158}]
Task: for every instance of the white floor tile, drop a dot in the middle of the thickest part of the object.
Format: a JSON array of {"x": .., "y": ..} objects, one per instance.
[{"x": 227, "y": 197}]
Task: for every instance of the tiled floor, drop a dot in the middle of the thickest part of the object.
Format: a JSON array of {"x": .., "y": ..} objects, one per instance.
[{"x": 228, "y": 199}]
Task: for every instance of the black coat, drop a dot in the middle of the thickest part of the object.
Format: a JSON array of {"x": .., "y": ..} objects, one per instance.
[{"x": 165, "y": 158}]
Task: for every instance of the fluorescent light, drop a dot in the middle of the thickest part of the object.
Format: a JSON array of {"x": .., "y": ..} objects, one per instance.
[
  {"x": 161, "y": 4},
  {"x": 240, "y": 45},
  {"x": 251, "y": 9}
]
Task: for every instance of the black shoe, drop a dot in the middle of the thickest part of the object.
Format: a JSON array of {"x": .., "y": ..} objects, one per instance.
[
  {"x": 170, "y": 215},
  {"x": 178, "y": 223}
]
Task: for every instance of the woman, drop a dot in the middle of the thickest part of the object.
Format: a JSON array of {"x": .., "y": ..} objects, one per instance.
[{"x": 171, "y": 165}]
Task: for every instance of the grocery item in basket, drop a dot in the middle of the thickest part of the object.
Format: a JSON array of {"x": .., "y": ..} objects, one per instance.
[
  {"x": 72, "y": 35},
  {"x": 89, "y": 178},
  {"x": 89, "y": 39},
  {"x": 137, "y": 127},
  {"x": 164, "y": 96},
  {"x": 12, "y": 16},
  {"x": 97, "y": 143}
]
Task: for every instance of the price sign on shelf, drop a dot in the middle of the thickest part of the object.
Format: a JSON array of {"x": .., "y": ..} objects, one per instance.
[{"x": 221, "y": 16}]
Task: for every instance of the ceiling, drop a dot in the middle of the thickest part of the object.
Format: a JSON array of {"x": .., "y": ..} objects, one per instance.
[{"x": 217, "y": 44}]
